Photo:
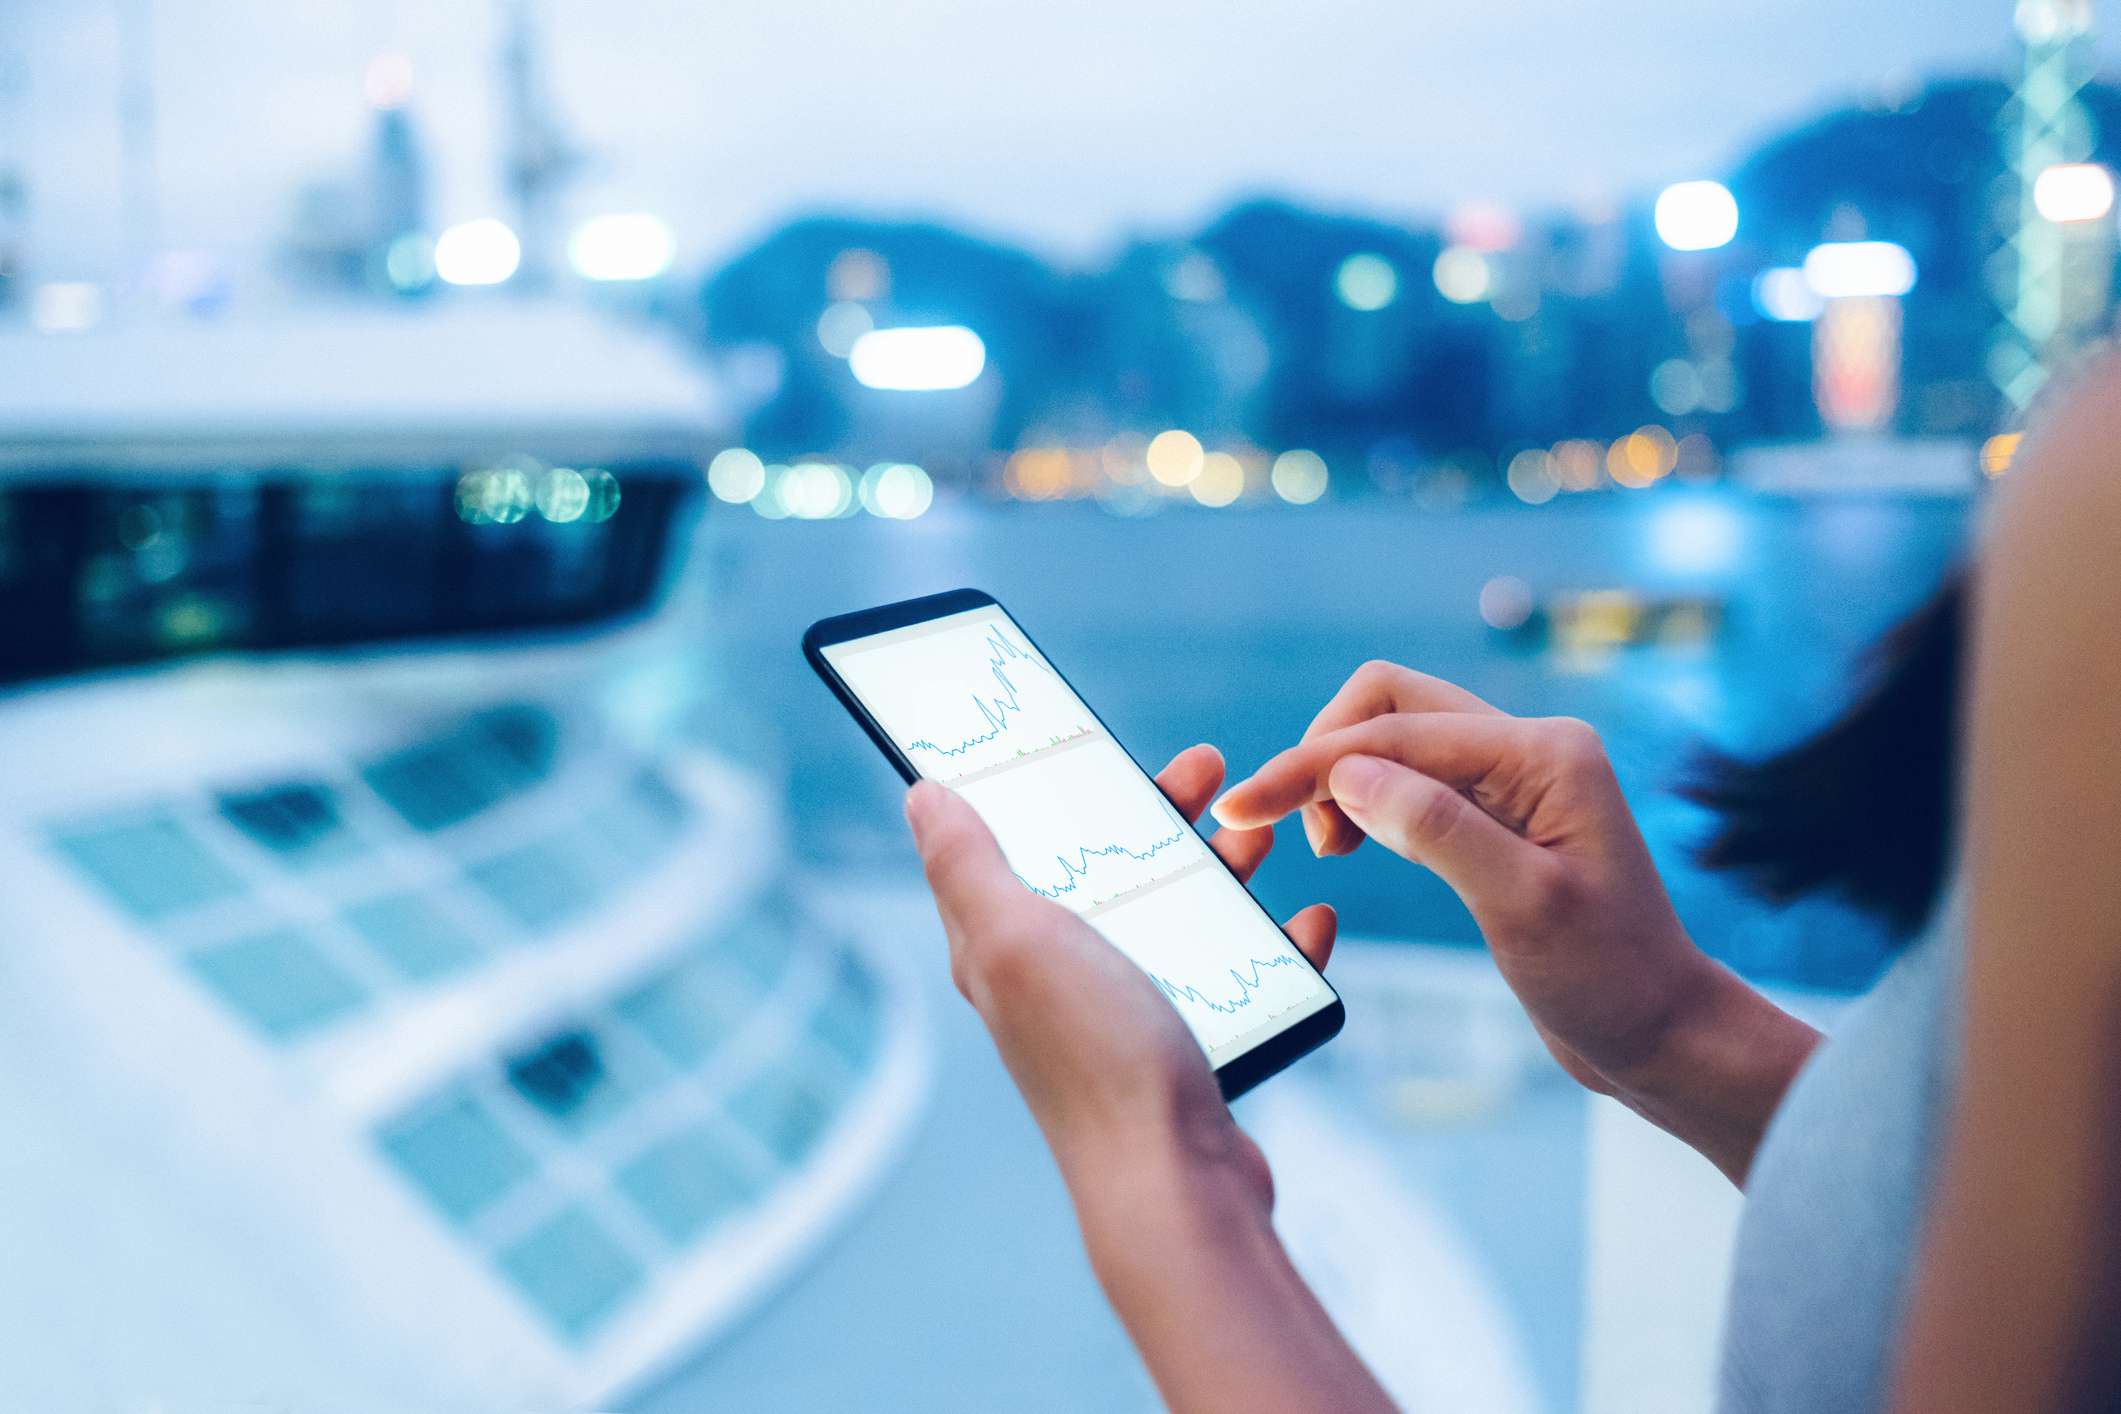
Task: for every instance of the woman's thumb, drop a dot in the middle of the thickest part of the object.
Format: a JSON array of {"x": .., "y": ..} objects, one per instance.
[{"x": 964, "y": 865}]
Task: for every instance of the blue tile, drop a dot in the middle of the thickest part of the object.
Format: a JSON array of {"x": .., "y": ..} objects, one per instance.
[
  {"x": 757, "y": 946},
  {"x": 455, "y": 1153},
  {"x": 279, "y": 982},
  {"x": 850, "y": 1019},
  {"x": 152, "y": 867},
  {"x": 687, "y": 1184},
  {"x": 572, "y": 1272},
  {"x": 786, "y": 1108},
  {"x": 684, "y": 1014},
  {"x": 642, "y": 821},
  {"x": 541, "y": 886},
  {"x": 418, "y": 940}
]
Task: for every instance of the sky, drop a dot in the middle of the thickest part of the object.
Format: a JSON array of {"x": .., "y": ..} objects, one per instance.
[{"x": 1063, "y": 127}]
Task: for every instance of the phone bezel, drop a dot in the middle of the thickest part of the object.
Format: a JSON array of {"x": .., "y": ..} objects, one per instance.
[{"x": 1236, "y": 1075}]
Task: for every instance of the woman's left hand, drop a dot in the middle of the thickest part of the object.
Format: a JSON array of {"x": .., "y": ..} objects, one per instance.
[{"x": 1100, "y": 1055}]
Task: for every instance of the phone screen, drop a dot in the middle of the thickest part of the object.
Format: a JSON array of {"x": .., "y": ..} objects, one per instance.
[{"x": 973, "y": 705}]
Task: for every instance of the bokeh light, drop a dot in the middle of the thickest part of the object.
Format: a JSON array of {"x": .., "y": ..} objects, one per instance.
[
  {"x": 768, "y": 504},
  {"x": 1531, "y": 478},
  {"x": 1643, "y": 457},
  {"x": 736, "y": 475},
  {"x": 1221, "y": 480},
  {"x": 857, "y": 274},
  {"x": 2074, "y": 191},
  {"x": 817, "y": 490},
  {"x": 1696, "y": 215},
  {"x": 1859, "y": 270},
  {"x": 1298, "y": 476},
  {"x": 918, "y": 359},
  {"x": 1576, "y": 464},
  {"x": 841, "y": 326},
  {"x": 409, "y": 263},
  {"x": 496, "y": 495},
  {"x": 896, "y": 491},
  {"x": 603, "y": 494},
  {"x": 1366, "y": 281},
  {"x": 480, "y": 252},
  {"x": 1783, "y": 294},
  {"x": 1675, "y": 386},
  {"x": 1998, "y": 452},
  {"x": 1462, "y": 275},
  {"x": 1694, "y": 535},
  {"x": 621, "y": 245},
  {"x": 563, "y": 495},
  {"x": 1174, "y": 457},
  {"x": 1506, "y": 602}
]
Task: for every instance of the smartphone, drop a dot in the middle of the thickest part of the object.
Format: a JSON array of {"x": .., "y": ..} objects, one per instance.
[{"x": 953, "y": 690}]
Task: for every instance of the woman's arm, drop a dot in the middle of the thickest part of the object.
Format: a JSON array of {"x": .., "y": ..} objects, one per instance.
[
  {"x": 1173, "y": 1198},
  {"x": 1186, "y": 1254},
  {"x": 1523, "y": 818},
  {"x": 2018, "y": 1295}
]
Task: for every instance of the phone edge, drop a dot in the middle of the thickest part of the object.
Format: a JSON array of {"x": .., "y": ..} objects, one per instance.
[{"x": 1235, "y": 1077}]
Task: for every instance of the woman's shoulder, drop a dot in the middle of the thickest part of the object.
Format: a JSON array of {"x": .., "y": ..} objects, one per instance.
[
  {"x": 2072, "y": 449},
  {"x": 2048, "y": 561}
]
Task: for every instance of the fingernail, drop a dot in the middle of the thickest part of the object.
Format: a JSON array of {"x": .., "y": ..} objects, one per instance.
[
  {"x": 1314, "y": 831},
  {"x": 919, "y": 802},
  {"x": 1217, "y": 809},
  {"x": 1355, "y": 780}
]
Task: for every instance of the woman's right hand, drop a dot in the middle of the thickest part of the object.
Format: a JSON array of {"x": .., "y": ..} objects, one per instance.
[{"x": 1524, "y": 819}]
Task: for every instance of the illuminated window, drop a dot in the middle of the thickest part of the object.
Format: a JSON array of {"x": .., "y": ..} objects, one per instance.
[
  {"x": 418, "y": 940},
  {"x": 279, "y": 982},
  {"x": 848, "y": 1021},
  {"x": 684, "y": 1013},
  {"x": 153, "y": 867},
  {"x": 297, "y": 821},
  {"x": 687, "y": 1184},
  {"x": 542, "y": 886},
  {"x": 573, "y": 1272},
  {"x": 457, "y": 1154},
  {"x": 783, "y": 1108},
  {"x": 436, "y": 784}
]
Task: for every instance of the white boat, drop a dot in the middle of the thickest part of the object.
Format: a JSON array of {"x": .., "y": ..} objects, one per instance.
[{"x": 400, "y": 1026}]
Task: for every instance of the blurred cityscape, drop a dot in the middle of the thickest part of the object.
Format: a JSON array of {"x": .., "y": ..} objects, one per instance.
[{"x": 1911, "y": 267}]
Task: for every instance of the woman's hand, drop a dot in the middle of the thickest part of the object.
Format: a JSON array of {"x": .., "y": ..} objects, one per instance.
[
  {"x": 1100, "y": 1055},
  {"x": 1173, "y": 1198},
  {"x": 1523, "y": 818}
]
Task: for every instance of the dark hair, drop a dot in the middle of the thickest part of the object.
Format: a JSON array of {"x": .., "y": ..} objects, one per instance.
[{"x": 1863, "y": 807}]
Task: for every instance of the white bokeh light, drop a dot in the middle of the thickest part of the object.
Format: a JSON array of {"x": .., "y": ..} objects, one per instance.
[{"x": 1696, "y": 215}]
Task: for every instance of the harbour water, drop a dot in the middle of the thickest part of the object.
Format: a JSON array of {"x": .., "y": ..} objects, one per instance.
[{"x": 1234, "y": 627}]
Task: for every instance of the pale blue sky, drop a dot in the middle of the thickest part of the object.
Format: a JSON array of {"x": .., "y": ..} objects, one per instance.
[{"x": 1063, "y": 126}]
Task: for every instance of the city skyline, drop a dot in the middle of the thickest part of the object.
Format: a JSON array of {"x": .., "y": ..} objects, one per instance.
[{"x": 680, "y": 119}]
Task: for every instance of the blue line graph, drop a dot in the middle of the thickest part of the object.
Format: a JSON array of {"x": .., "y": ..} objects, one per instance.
[
  {"x": 994, "y": 710},
  {"x": 1074, "y": 871},
  {"x": 1246, "y": 985}
]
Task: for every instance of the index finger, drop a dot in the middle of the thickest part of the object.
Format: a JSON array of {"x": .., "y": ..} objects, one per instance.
[
  {"x": 1377, "y": 688},
  {"x": 1459, "y": 749}
]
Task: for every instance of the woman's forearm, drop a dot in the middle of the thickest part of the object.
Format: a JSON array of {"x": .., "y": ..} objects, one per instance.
[
  {"x": 1188, "y": 1257},
  {"x": 1716, "y": 1080}
]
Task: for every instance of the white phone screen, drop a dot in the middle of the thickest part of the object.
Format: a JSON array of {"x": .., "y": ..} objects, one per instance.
[{"x": 975, "y": 707}]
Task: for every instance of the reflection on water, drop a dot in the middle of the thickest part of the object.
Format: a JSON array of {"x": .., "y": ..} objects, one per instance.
[{"x": 1235, "y": 627}]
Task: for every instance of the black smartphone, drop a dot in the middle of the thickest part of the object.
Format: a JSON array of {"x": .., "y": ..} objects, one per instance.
[{"x": 953, "y": 690}]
